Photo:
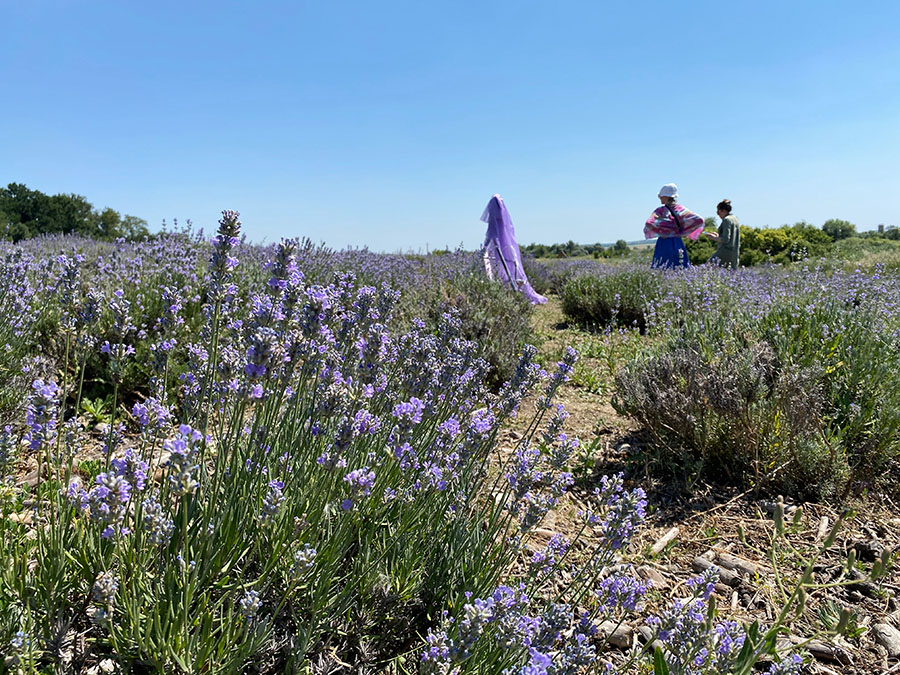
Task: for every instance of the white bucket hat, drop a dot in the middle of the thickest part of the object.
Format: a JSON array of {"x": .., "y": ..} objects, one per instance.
[{"x": 669, "y": 190}]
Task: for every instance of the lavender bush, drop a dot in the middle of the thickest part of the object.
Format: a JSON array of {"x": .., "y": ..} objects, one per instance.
[
  {"x": 18, "y": 316},
  {"x": 620, "y": 297},
  {"x": 287, "y": 441}
]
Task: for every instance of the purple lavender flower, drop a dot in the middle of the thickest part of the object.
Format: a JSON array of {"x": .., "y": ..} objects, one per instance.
[
  {"x": 152, "y": 416},
  {"x": 792, "y": 665},
  {"x": 272, "y": 502},
  {"x": 409, "y": 412},
  {"x": 546, "y": 559},
  {"x": 104, "y": 595},
  {"x": 183, "y": 462},
  {"x": 526, "y": 375},
  {"x": 361, "y": 482},
  {"x": 563, "y": 369},
  {"x": 624, "y": 512},
  {"x": 106, "y": 503},
  {"x": 20, "y": 642},
  {"x": 538, "y": 664},
  {"x": 304, "y": 559},
  {"x": 483, "y": 422},
  {"x": 41, "y": 414},
  {"x": 158, "y": 527},
  {"x": 250, "y": 604},
  {"x": 690, "y": 647},
  {"x": 105, "y": 587},
  {"x": 222, "y": 262},
  {"x": 132, "y": 468},
  {"x": 619, "y": 592}
]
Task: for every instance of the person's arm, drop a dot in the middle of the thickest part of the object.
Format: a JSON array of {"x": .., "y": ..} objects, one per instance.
[{"x": 651, "y": 226}]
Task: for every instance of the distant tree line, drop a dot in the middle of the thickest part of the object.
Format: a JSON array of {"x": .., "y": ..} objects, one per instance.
[
  {"x": 767, "y": 244},
  {"x": 572, "y": 250},
  {"x": 28, "y": 213}
]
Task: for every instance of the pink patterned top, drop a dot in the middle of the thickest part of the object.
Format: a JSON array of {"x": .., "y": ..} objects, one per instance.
[{"x": 662, "y": 224}]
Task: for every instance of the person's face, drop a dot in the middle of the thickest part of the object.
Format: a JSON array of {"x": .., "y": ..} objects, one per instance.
[
  {"x": 662, "y": 200},
  {"x": 721, "y": 213}
]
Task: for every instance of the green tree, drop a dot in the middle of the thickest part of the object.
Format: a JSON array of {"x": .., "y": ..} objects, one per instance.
[
  {"x": 22, "y": 206},
  {"x": 70, "y": 213},
  {"x": 108, "y": 223},
  {"x": 28, "y": 213},
  {"x": 839, "y": 229}
]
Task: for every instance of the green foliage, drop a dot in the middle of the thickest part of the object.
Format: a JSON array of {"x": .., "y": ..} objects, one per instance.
[
  {"x": 830, "y": 614},
  {"x": 838, "y": 229},
  {"x": 752, "y": 256},
  {"x": 98, "y": 409},
  {"x": 572, "y": 250},
  {"x": 700, "y": 251},
  {"x": 783, "y": 244},
  {"x": 733, "y": 417},
  {"x": 620, "y": 298},
  {"x": 491, "y": 314},
  {"x": 858, "y": 248},
  {"x": 28, "y": 213}
]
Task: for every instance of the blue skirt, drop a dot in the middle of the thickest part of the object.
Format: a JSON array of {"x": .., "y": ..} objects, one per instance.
[{"x": 670, "y": 252}]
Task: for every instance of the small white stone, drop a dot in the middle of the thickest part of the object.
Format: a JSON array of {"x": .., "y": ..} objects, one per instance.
[{"x": 888, "y": 637}]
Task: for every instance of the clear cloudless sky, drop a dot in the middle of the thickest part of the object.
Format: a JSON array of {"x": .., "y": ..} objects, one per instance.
[{"x": 390, "y": 124}]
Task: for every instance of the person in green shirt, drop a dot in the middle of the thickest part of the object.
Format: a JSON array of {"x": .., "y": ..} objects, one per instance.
[{"x": 728, "y": 251}]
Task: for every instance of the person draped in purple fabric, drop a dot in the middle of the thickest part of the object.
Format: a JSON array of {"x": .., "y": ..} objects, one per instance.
[
  {"x": 670, "y": 222},
  {"x": 502, "y": 259}
]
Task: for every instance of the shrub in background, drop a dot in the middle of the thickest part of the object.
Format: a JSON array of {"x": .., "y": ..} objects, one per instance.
[
  {"x": 619, "y": 297},
  {"x": 490, "y": 314},
  {"x": 735, "y": 417},
  {"x": 700, "y": 251},
  {"x": 838, "y": 229},
  {"x": 854, "y": 249},
  {"x": 791, "y": 380}
]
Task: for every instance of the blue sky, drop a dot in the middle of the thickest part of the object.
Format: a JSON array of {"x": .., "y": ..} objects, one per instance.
[{"x": 390, "y": 124}]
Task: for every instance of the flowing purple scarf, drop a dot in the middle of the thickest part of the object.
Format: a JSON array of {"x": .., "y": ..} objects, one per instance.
[{"x": 502, "y": 260}]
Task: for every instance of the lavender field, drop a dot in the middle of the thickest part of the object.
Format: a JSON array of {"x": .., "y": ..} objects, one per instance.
[{"x": 219, "y": 457}]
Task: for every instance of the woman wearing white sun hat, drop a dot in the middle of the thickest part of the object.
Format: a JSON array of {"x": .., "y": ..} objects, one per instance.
[{"x": 669, "y": 223}]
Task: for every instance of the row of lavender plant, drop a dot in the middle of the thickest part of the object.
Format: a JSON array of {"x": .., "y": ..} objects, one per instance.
[
  {"x": 42, "y": 274},
  {"x": 312, "y": 489}
]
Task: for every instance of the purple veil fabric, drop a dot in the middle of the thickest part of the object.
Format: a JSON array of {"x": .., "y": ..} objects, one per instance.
[{"x": 502, "y": 260}]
